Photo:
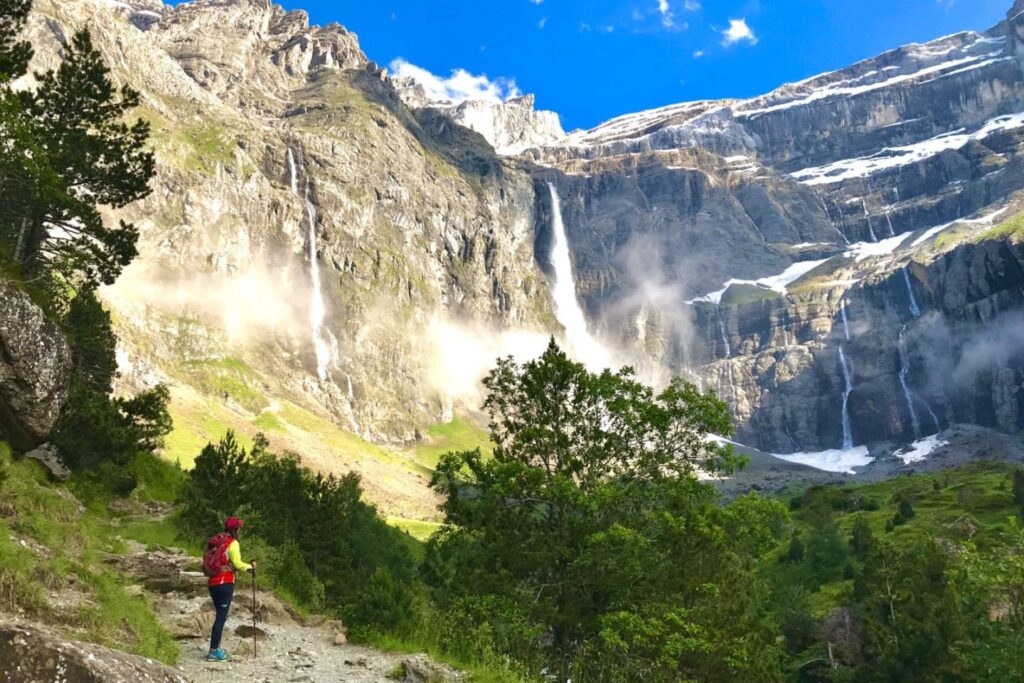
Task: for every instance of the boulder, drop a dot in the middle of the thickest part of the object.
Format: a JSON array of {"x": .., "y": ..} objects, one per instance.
[
  {"x": 29, "y": 654},
  {"x": 420, "y": 669},
  {"x": 195, "y": 625},
  {"x": 35, "y": 369},
  {"x": 48, "y": 456},
  {"x": 272, "y": 610}
]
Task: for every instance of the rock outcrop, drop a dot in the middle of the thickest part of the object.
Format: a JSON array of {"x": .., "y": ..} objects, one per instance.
[
  {"x": 35, "y": 369},
  {"x": 33, "y": 655}
]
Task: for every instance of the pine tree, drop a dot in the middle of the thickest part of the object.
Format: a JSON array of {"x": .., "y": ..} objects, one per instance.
[
  {"x": 79, "y": 120},
  {"x": 14, "y": 54}
]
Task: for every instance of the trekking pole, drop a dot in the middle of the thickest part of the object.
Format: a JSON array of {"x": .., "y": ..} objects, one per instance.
[{"x": 254, "y": 612}]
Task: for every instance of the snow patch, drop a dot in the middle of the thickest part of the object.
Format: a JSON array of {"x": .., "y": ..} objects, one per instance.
[
  {"x": 860, "y": 251},
  {"x": 895, "y": 157},
  {"x": 841, "y": 460},
  {"x": 920, "y": 449},
  {"x": 777, "y": 283}
]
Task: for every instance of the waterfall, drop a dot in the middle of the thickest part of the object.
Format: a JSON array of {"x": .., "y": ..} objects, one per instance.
[
  {"x": 915, "y": 310},
  {"x": 293, "y": 174},
  {"x": 892, "y": 233},
  {"x": 904, "y": 374},
  {"x": 721, "y": 329},
  {"x": 846, "y": 323},
  {"x": 847, "y": 389},
  {"x": 867, "y": 216},
  {"x": 785, "y": 326},
  {"x": 317, "y": 311},
  {"x": 567, "y": 305},
  {"x": 896, "y": 191}
]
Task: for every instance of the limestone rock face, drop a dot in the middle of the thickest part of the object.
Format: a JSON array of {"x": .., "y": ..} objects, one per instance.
[
  {"x": 731, "y": 239},
  {"x": 35, "y": 369},
  {"x": 315, "y": 224},
  {"x": 510, "y": 127},
  {"x": 294, "y": 184},
  {"x": 31, "y": 654}
]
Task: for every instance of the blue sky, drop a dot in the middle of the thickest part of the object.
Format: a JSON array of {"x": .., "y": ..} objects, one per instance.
[{"x": 590, "y": 60}]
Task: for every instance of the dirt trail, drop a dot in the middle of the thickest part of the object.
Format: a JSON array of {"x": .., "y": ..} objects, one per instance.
[{"x": 289, "y": 649}]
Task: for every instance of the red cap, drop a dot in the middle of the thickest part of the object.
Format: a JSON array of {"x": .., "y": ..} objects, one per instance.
[{"x": 232, "y": 524}]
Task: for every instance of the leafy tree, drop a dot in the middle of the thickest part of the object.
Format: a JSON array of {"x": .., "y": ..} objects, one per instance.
[{"x": 590, "y": 519}]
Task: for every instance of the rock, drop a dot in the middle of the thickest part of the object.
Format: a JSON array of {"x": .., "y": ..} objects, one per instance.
[
  {"x": 247, "y": 631},
  {"x": 31, "y": 654},
  {"x": 196, "y": 625},
  {"x": 420, "y": 669},
  {"x": 48, "y": 456},
  {"x": 272, "y": 610},
  {"x": 35, "y": 369},
  {"x": 161, "y": 572}
]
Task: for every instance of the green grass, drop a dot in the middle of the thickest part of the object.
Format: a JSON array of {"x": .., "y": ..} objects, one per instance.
[
  {"x": 738, "y": 295},
  {"x": 981, "y": 492},
  {"x": 461, "y": 434},
  {"x": 57, "y": 549},
  {"x": 417, "y": 643},
  {"x": 227, "y": 377},
  {"x": 418, "y": 529},
  {"x": 1011, "y": 230}
]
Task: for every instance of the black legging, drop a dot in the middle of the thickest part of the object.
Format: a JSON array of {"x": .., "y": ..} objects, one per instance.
[{"x": 221, "y": 596}]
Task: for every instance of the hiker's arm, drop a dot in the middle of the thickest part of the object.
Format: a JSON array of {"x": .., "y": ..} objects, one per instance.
[{"x": 235, "y": 558}]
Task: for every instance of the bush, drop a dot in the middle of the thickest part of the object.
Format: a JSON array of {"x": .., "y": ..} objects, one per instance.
[{"x": 327, "y": 546}]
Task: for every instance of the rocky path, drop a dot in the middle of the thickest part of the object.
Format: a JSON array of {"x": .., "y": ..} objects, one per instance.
[{"x": 289, "y": 648}]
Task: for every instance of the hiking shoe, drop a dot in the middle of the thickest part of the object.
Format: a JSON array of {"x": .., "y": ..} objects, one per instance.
[{"x": 217, "y": 656}]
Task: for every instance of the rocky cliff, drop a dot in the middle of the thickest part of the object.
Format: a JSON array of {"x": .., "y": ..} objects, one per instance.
[
  {"x": 326, "y": 244},
  {"x": 732, "y": 239}
]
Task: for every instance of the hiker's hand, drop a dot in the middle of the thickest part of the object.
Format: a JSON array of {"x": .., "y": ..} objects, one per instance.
[{"x": 252, "y": 567}]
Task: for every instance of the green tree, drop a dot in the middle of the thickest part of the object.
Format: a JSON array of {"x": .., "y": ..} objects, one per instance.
[
  {"x": 79, "y": 118},
  {"x": 14, "y": 53},
  {"x": 590, "y": 519},
  {"x": 1018, "y": 488},
  {"x": 862, "y": 539}
]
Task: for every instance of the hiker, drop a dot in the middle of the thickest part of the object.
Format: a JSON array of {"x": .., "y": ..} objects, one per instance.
[{"x": 223, "y": 557}]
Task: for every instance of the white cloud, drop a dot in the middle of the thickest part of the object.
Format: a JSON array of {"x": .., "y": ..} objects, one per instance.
[
  {"x": 738, "y": 32},
  {"x": 542, "y": 23},
  {"x": 691, "y": 5},
  {"x": 698, "y": 54},
  {"x": 667, "y": 19},
  {"x": 459, "y": 86},
  {"x": 536, "y": 2}
]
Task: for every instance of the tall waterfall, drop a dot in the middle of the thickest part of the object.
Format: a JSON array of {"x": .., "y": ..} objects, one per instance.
[
  {"x": 904, "y": 374},
  {"x": 317, "y": 311},
  {"x": 915, "y": 310},
  {"x": 846, "y": 323},
  {"x": 587, "y": 349},
  {"x": 847, "y": 389}
]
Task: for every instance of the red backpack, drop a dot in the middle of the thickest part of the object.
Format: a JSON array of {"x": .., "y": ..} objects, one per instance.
[{"x": 215, "y": 558}]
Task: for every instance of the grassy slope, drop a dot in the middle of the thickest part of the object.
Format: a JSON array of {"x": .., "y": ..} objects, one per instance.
[
  {"x": 51, "y": 555},
  {"x": 983, "y": 491}
]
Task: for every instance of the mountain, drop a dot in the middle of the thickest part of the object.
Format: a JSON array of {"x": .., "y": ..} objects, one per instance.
[
  {"x": 838, "y": 226},
  {"x": 332, "y": 258}
]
